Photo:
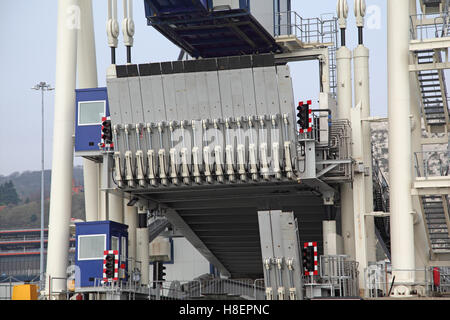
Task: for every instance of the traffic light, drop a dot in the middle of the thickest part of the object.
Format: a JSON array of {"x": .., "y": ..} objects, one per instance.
[
  {"x": 106, "y": 131},
  {"x": 158, "y": 272},
  {"x": 303, "y": 115},
  {"x": 309, "y": 259},
  {"x": 161, "y": 273},
  {"x": 109, "y": 266}
]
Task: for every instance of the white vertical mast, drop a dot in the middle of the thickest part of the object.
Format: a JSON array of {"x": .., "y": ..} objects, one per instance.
[
  {"x": 400, "y": 153},
  {"x": 362, "y": 96},
  {"x": 62, "y": 162},
  {"x": 87, "y": 78}
]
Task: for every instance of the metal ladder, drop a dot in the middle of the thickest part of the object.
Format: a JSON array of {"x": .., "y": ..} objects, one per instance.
[
  {"x": 330, "y": 34},
  {"x": 433, "y": 90},
  {"x": 437, "y": 227}
]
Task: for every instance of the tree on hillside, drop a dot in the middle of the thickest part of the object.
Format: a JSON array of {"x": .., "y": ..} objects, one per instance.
[{"x": 8, "y": 194}]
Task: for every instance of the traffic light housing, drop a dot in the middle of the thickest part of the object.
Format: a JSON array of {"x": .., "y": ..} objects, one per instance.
[
  {"x": 106, "y": 131},
  {"x": 109, "y": 266},
  {"x": 158, "y": 272},
  {"x": 301, "y": 115},
  {"x": 161, "y": 273},
  {"x": 310, "y": 258},
  {"x": 303, "y": 112}
]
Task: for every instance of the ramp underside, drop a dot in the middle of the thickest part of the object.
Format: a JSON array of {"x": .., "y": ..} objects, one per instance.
[
  {"x": 223, "y": 33},
  {"x": 225, "y": 218}
]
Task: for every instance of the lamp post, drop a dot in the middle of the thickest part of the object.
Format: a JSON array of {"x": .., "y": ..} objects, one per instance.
[{"x": 42, "y": 86}]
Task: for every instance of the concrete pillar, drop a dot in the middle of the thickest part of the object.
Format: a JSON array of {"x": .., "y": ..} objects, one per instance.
[
  {"x": 116, "y": 209},
  {"x": 142, "y": 245},
  {"x": 62, "y": 162},
  {"x": 130, "y": 219},
  {"x": 332, "y": 242},
  {"x": 400, "y": 153},
  {"x": 90, "y": 174},
  {"x": 103, "y": 198}
]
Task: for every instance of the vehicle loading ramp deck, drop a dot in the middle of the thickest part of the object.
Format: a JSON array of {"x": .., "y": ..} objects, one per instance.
[{"x": 225, "y": 219}]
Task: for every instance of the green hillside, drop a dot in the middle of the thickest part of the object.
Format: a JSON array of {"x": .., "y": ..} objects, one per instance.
[{"x": 26, "y": 213}]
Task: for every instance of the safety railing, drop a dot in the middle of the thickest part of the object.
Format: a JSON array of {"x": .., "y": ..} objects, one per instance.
[
  {"x": 432, "y": 163},
  {"x": 51, "y": 293},
  {"x": 307, "y": 30},
  {"x": 314, "y": 131},
  {"x": 174, "y": 290},
  {"x": 340, "y": 149},
  {"x": 248, "y": 289},
  {"x": 7, "y": 285},
  {"x": 341, "y": 274},
  {"x": 429, "y": 26},
  {"x": 380, "y": 280},
  {"x": 314, "y": 31},
  {"x": 441, "y": 280}
]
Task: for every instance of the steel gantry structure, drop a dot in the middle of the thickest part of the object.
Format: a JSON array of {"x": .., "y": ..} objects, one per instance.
[{"x": 212, "y": 142}]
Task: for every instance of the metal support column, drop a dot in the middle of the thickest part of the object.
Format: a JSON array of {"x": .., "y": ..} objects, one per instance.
[
  {"x": 400, "y": 153},
  {"x": 142, "y": 245}
]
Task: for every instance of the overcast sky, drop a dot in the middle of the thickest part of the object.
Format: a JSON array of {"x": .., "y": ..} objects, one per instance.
[{"x": 28, "y": 50}]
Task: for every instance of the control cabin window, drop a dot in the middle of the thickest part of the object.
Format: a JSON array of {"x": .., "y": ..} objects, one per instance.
[
  {"x": 123, "y": 252},
  {"x": 91, "y": 247},
  {"x": 91, "y": 112},
  {"x": 114, "y": 243}
]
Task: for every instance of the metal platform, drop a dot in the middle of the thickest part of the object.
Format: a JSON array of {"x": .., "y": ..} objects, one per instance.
[
  {"x": 164, "y": 7},
  {"x": 217, "y": 33}
]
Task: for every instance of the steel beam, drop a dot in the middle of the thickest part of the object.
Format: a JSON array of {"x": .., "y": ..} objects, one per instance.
[
  {"x": 190, "y": 235},
  {"x": 430, "y": 44},
  {"x": 429, "y": 66}
]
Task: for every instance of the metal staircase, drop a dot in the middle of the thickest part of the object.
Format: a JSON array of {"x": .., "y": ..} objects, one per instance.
[
  {"x": 433, "y": 91},
  {"x": 429, "y": 46},
  {"x": 435, "y": 209},
  {"x": 381, "y": 204}
]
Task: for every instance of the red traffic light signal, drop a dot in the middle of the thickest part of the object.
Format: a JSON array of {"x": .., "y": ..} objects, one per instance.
[
  {"x": 310, "y": 263},
  {"x": 109, "y": 266},
  {"x": 107, "y": 131}
]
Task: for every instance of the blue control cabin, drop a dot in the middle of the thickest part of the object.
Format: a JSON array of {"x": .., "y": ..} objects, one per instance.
[
  {"x": 91, "y": 107},
  {"x": 92, "y": 240}
]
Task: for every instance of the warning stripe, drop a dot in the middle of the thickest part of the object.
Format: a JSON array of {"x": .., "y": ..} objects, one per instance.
[
  {"x": 116, "y": 266},
  {"x": 316, "y": 262}
]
